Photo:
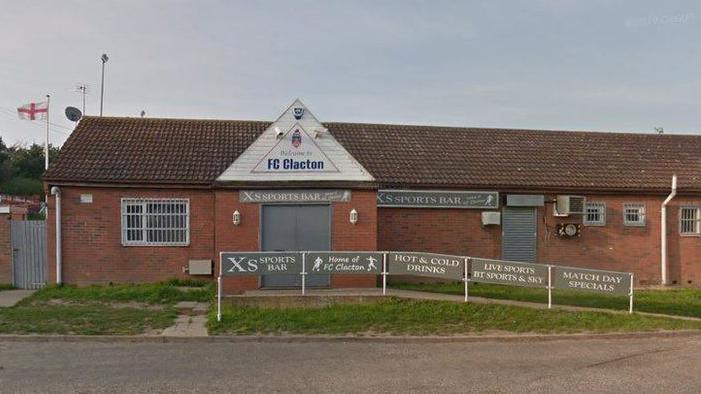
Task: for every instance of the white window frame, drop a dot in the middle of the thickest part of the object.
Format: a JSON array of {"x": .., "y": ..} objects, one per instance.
[
  {"x": 601, "y": 208},
  {"x": 641, "y": 215},
  {"x": 144, "y": 229},
  {"x": 696, "y": 221}
]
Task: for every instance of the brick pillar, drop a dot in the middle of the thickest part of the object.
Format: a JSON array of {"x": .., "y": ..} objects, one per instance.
[{"x": 5, "y": 249}]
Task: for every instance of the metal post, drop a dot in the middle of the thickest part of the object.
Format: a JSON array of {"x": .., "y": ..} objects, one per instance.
[
  {"x": 219, "y": 298},
  {"x": 550, "y": 287},
  {"x": 104, "y": 59},
  {"x": 630, "y": 306},
  {"x": 46, "y": 142},
  {"x": 83, "y": 89},
  {"x": 384, "y": 273},
  {"x": 465, "y": 278},
  {"x": 304, "y": 271},
  {"x": 219, "y": 291}
]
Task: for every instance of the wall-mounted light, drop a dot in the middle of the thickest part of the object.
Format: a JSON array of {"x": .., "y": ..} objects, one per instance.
[
  {"x": 236, "y": 217},
  {"x": 353, "y": 216}
]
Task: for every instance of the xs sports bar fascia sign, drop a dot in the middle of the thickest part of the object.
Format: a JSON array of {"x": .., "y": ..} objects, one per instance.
[{"x": 437, "y": 199}]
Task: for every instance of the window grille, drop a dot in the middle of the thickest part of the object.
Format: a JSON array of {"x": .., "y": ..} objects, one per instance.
[
  {"x": 155, "y": 222},
  {"x": 633, "y": 214},
  {"x": 595, "y": 214},
  {"x": 689, "y": 220}
]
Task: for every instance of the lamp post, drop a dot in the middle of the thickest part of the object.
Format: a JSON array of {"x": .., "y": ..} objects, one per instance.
[{"x": 104, "y": 59}]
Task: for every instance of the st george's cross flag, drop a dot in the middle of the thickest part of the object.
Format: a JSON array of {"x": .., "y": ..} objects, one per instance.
[{"x": 34, "y": 111}]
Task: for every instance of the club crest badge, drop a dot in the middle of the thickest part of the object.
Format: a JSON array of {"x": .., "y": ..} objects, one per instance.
[
  {"x": 298, "y": 112},
  {"x": 296, "y": 138}
]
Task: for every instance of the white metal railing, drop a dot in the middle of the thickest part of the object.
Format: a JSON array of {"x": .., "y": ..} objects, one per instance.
[{"x": 463, "y": 268}]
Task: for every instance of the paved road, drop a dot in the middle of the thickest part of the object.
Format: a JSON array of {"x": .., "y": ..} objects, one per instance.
[{"x": 638, "y": 365}]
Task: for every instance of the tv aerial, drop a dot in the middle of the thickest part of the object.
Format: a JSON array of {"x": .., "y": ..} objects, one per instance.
[
  {"x": 73, "y": 114},
  {"x": 82, "y": 89}
]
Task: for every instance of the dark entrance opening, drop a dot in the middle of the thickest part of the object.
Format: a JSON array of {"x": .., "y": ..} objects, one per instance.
[{"x": 295, "y": 228}]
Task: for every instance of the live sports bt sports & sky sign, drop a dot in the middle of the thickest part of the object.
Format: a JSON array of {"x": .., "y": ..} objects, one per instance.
[{"x": 508, "y": 272}]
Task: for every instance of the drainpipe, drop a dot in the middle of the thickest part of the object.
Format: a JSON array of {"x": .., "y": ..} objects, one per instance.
[
  {"x": 663, "y": 231},
  {"x": 55, "y": 191}
]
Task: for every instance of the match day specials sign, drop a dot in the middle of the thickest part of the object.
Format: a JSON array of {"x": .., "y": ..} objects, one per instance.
[{"x": 592, "y": 280}]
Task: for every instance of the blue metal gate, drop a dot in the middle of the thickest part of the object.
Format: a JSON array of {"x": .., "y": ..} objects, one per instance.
[{"x": 29, "y": 264}]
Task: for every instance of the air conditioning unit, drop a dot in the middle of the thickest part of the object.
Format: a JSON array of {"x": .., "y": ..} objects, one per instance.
[
  {"x": 570, "y": 205},
  {"x": 491, "y": 218}
]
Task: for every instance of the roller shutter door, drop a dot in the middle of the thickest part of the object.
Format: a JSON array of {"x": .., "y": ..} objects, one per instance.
[{"x": 519, "y": 230}]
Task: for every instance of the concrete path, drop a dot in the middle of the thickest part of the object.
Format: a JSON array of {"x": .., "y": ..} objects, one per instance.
[
  {"x": 191, "y": 322},
  {"x": 10, "y": 298}
]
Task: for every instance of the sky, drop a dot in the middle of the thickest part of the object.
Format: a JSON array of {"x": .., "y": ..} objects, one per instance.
[{"x": 587, "y": 65}]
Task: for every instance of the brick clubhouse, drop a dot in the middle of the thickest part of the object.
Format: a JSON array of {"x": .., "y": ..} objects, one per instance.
[{"x": 146, "y": 199}]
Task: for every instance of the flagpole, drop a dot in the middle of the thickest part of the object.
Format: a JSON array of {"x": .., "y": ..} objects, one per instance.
[{"x": 46, "y": 143}]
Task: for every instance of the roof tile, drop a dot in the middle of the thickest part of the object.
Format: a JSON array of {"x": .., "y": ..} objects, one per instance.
[{"x": 196, "y": 152}]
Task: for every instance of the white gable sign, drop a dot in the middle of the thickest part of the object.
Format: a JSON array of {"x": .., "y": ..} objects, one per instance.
[
  {"x": 295, "y": 147},
  {"x": 295, "y": 152}
]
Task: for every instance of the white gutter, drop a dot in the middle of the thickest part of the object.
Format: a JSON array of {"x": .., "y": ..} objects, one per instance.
[
  {"x": 55, "y": 191},
  {"x": 663, "y": 230}
]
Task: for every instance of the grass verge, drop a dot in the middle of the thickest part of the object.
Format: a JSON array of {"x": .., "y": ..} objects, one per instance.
[
  {"x": 682, "y": 302},
  {"x": 92, "y": 319},
  {"x": 413, "y": 317},
  {"x": 151, "y": 293},
  {"x": 124, "y": 309}
]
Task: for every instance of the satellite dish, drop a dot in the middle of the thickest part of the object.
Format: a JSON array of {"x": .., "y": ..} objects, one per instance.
[{"x": 73, "y": 114}]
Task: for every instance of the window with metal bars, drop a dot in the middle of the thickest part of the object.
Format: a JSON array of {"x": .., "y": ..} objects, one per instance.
[
  {"x": 689, "y": 221},
  {"x": 595, "y": 214},
  {"x": 634, "y": 215},
  {"x": 155, "y": 222}
]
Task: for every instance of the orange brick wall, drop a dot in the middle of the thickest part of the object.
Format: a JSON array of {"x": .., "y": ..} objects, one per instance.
[
  {"x": 360, "y": 236},
  {"x": 5, "y": 250},
  {"x": 684, "y": 251},
  {"x": 230, "y": 238},
  {"x": 344, "y": 235},
  {"x": 449, "y": 231},
  {"x": 92, "y": 248},
  {"x": 611, "y": 247}
]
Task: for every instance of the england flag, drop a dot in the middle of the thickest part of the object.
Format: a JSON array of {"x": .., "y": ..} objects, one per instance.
[{"x": 33, "y": 111}]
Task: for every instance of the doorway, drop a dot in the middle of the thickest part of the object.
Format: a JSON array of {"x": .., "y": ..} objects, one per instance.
[
  {"x": 295, "y": 228},
  {"x": 519, "y": 232}
]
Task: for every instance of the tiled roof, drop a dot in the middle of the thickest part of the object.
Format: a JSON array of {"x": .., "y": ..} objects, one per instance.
[
  {"x": 522, "y": 159},
  {"x": 195, "y": 152},
  {"x": 143, "y": 150}
]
